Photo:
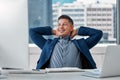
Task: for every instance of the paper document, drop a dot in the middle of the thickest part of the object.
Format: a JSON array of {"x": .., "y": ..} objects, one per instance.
[{"x": 64, "y": 69}]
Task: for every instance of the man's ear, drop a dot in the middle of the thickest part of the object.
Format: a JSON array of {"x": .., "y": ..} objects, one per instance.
[{"x": 72, "y": 28}]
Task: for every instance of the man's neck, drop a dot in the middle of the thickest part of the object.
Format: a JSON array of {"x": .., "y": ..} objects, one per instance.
[{"x": 65, "y": 37}]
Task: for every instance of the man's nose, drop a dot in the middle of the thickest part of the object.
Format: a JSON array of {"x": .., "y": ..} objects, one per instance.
[{"x": 61, "y": 26}]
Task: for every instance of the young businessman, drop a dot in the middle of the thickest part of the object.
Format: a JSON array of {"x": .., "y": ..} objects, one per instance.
[{"x": 64, "y": 51}]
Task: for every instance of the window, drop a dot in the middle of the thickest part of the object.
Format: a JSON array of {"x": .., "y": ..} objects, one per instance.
[
  {"x": 99, "y": 14},
  {"x": 39, "y": 13}
]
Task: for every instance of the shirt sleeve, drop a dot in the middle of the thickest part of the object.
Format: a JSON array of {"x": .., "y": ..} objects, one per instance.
[
  {"x": 37, "y": 33},
  {"x": 94, "y": 35}
]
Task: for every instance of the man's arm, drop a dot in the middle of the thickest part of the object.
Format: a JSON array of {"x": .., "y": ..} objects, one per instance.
[
  {"x": 94, "y": 35},
  {"x": 36, "y": 35}
]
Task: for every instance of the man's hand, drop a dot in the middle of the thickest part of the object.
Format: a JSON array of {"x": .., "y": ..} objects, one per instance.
[
  {"x": 56, "y": 32},
  {"x": 74, "y": 33}
]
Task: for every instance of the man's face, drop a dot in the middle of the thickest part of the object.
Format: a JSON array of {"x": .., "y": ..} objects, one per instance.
[{"x": 64, "y": 27}]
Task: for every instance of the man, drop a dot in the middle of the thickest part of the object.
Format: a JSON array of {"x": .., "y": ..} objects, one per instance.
[{"x": 63, "y": 51}]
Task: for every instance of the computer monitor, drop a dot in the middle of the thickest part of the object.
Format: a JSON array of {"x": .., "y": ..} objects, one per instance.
[{"x": 14, "y": 34}]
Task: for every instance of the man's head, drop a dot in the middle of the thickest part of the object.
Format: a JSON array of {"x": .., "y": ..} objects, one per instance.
[{"x": 65, "y": 25}]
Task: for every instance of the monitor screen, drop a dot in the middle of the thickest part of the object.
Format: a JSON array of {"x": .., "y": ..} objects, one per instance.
[{"x": 14, "y": 34}]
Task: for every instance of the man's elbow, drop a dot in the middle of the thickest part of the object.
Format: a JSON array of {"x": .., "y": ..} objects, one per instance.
[{"x": 31, "y": 31}]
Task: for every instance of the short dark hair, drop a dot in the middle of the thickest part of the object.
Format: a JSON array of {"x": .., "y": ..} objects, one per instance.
[{"x": 66, "y": 17}]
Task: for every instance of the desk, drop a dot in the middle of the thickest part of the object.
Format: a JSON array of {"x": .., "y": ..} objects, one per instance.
[{"x": 55, "y": 76}]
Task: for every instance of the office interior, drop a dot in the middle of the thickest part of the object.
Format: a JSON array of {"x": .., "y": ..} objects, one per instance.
[{"x": 43, "y": 13}]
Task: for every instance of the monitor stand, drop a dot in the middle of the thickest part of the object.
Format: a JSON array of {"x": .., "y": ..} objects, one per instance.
[
  {"x": 4, "y": 71},
  {"x": 1, "y": 75}
]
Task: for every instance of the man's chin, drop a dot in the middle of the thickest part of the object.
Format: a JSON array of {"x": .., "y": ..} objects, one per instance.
[{"x": 63, "y": 35}]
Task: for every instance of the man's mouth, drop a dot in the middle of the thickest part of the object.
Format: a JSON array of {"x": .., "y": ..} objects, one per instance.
[{"x": 61, "y": 31}]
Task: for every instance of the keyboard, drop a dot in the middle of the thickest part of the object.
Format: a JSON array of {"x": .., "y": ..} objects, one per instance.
[
  {"x": 26, "y": 72},
  {"x": 64, "y": 69},
  {"x": 43, "y": 71}
]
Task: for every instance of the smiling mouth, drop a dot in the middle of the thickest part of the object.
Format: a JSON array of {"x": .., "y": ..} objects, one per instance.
[{"x": 61, "y": 31}]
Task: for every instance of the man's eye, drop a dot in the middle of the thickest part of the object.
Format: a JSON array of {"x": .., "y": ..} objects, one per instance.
[{"x": 64, "y": 24}]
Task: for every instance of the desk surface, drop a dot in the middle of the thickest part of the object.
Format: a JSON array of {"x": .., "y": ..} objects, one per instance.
[{"x": 55, "y": 76}]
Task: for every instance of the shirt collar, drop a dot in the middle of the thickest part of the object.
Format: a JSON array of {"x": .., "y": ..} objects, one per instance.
[
  {"x": 66, "y": 37},
  {"x": 64, "y": 40}
]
